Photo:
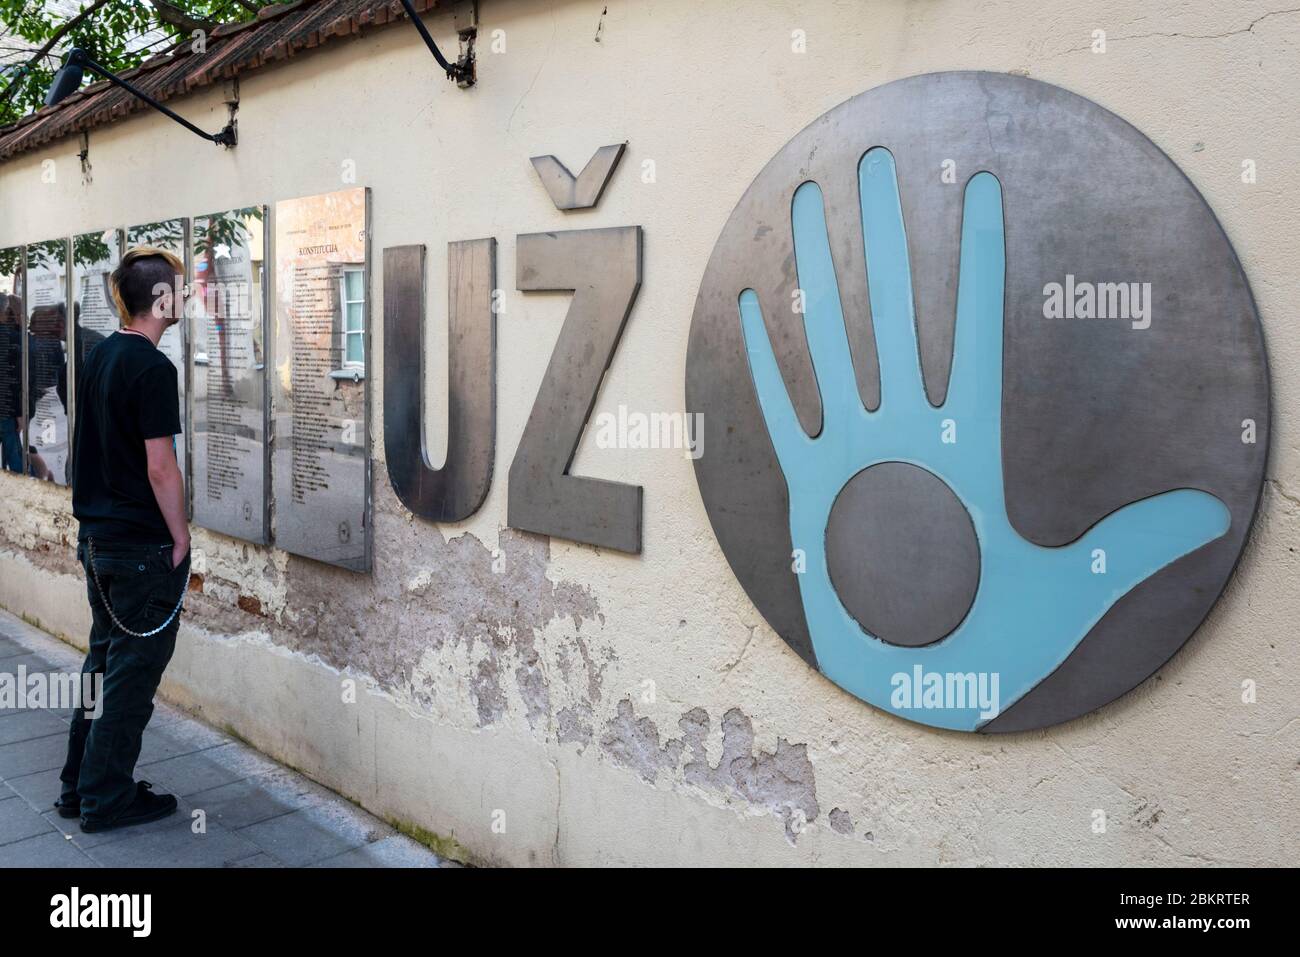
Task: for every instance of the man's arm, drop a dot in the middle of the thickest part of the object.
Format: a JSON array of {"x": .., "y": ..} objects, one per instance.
[{"x": 169, "y": 491}]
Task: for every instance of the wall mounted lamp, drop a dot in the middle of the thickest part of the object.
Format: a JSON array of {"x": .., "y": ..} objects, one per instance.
[{"x": 68, "y": 79}]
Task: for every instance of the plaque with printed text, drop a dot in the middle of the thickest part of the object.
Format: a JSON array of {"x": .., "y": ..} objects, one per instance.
[
  {"x": 168, "y": 235},
  {"x": 12, "y": 318},
  {"x": 48, "y": 430},
  {"x": 95, "y": 316},
  {"x": 227, "y": 345},
  {"x": 321, "y": 459}
]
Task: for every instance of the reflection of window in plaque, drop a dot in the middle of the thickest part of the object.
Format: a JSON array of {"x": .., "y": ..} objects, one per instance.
[{"x": 352, "y": 322}]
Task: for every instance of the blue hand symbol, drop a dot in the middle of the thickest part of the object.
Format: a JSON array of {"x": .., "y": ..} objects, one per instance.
[{"x": 1033, "y": 605}]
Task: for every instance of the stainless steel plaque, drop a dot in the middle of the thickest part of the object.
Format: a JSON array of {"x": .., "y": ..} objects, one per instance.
[
  {"x": 321, "y": 412},
  {"x": 48, "y": 430},
  {"x": 13, "y": 451},
  {"x": 228, "y": 373},
  {"x": 95, "y": 316},
  {"x": 168, "y": 235}
]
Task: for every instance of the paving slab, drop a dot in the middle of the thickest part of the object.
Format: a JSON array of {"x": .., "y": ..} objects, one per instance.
[
  {"x": 297, "y": 839},
  {"x": 186, "y": 774},
  {"x": 33, "y": 754},
  {"x": 178, "y": 845},
  {"x": 389, "y": 852},
  {"x": 34, "y": 664},
  {"x": 46, "y": 850},
  {"x": 241, "y": 803},
  {"x": 18, "y": 821},
  {"x": 260, "y": 859},
  {"x": 38, "y": 789},
  {"x": 31, "y": 724},
  {"x": 159, "y": 745}
]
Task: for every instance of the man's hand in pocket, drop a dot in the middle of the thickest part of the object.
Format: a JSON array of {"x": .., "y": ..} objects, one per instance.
[{"x": 179, "y": 551}]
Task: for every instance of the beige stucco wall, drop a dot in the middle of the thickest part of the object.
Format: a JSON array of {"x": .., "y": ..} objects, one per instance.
[{"x": 607, "y": 708}]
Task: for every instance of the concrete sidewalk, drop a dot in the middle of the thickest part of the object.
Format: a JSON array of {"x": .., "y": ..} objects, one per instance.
[{"x": 257, "y": 813}]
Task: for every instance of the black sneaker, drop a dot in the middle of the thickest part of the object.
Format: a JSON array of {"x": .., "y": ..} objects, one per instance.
[
  {"x": 68, "y": 807},
  {"x": 146, "y": 807}
]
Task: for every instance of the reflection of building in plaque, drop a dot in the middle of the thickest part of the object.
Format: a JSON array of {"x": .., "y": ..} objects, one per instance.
[
  {"x": 322, "y": 453},
  {"x": 12, "y": 414},
  {"x": 169, "y": 235},
  {"x": 95, "y": 318},
  {"x": 229, "y": 468},
  {"x": 47, "y": 360}
]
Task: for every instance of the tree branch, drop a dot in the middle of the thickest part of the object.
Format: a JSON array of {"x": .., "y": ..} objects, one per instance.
[
  {"x": 49, "y": 45},
  {"x": 174, "y": 16}
]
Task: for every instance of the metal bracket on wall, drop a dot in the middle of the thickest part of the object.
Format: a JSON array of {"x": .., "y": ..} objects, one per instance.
[
  {"x": 462, "y": 71},
  {"x": 232, "y": 110},
  {"x": 87, "y": 177},
  {"x": 466, "y": 19}
]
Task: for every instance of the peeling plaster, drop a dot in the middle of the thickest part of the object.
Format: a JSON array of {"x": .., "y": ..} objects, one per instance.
[
  {"x": 489, "y": 699},
  {"x": 574, "y": 725},
  {"x": 781, "y": 782},
  {"x": 427, "y": 596}
]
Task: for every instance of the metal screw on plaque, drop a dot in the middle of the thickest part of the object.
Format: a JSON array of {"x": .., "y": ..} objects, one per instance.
[{"x": 345, "y": 532}]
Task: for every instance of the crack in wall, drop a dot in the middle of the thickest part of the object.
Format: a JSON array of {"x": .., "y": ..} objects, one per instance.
[{"x": 1248, "y": 28}]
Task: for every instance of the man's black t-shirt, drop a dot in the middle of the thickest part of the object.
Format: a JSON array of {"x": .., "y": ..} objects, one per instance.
[{"x": 126, "y": 393}]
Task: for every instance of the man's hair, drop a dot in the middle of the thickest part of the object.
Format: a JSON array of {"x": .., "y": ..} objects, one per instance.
[{"x": 137, "y": 279}]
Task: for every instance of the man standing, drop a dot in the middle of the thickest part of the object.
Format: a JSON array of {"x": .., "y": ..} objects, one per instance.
[{"x": 129, "y": 496}]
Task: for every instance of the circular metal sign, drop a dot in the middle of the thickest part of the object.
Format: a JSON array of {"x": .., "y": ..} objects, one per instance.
[{"x": 984, "y": 401}]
